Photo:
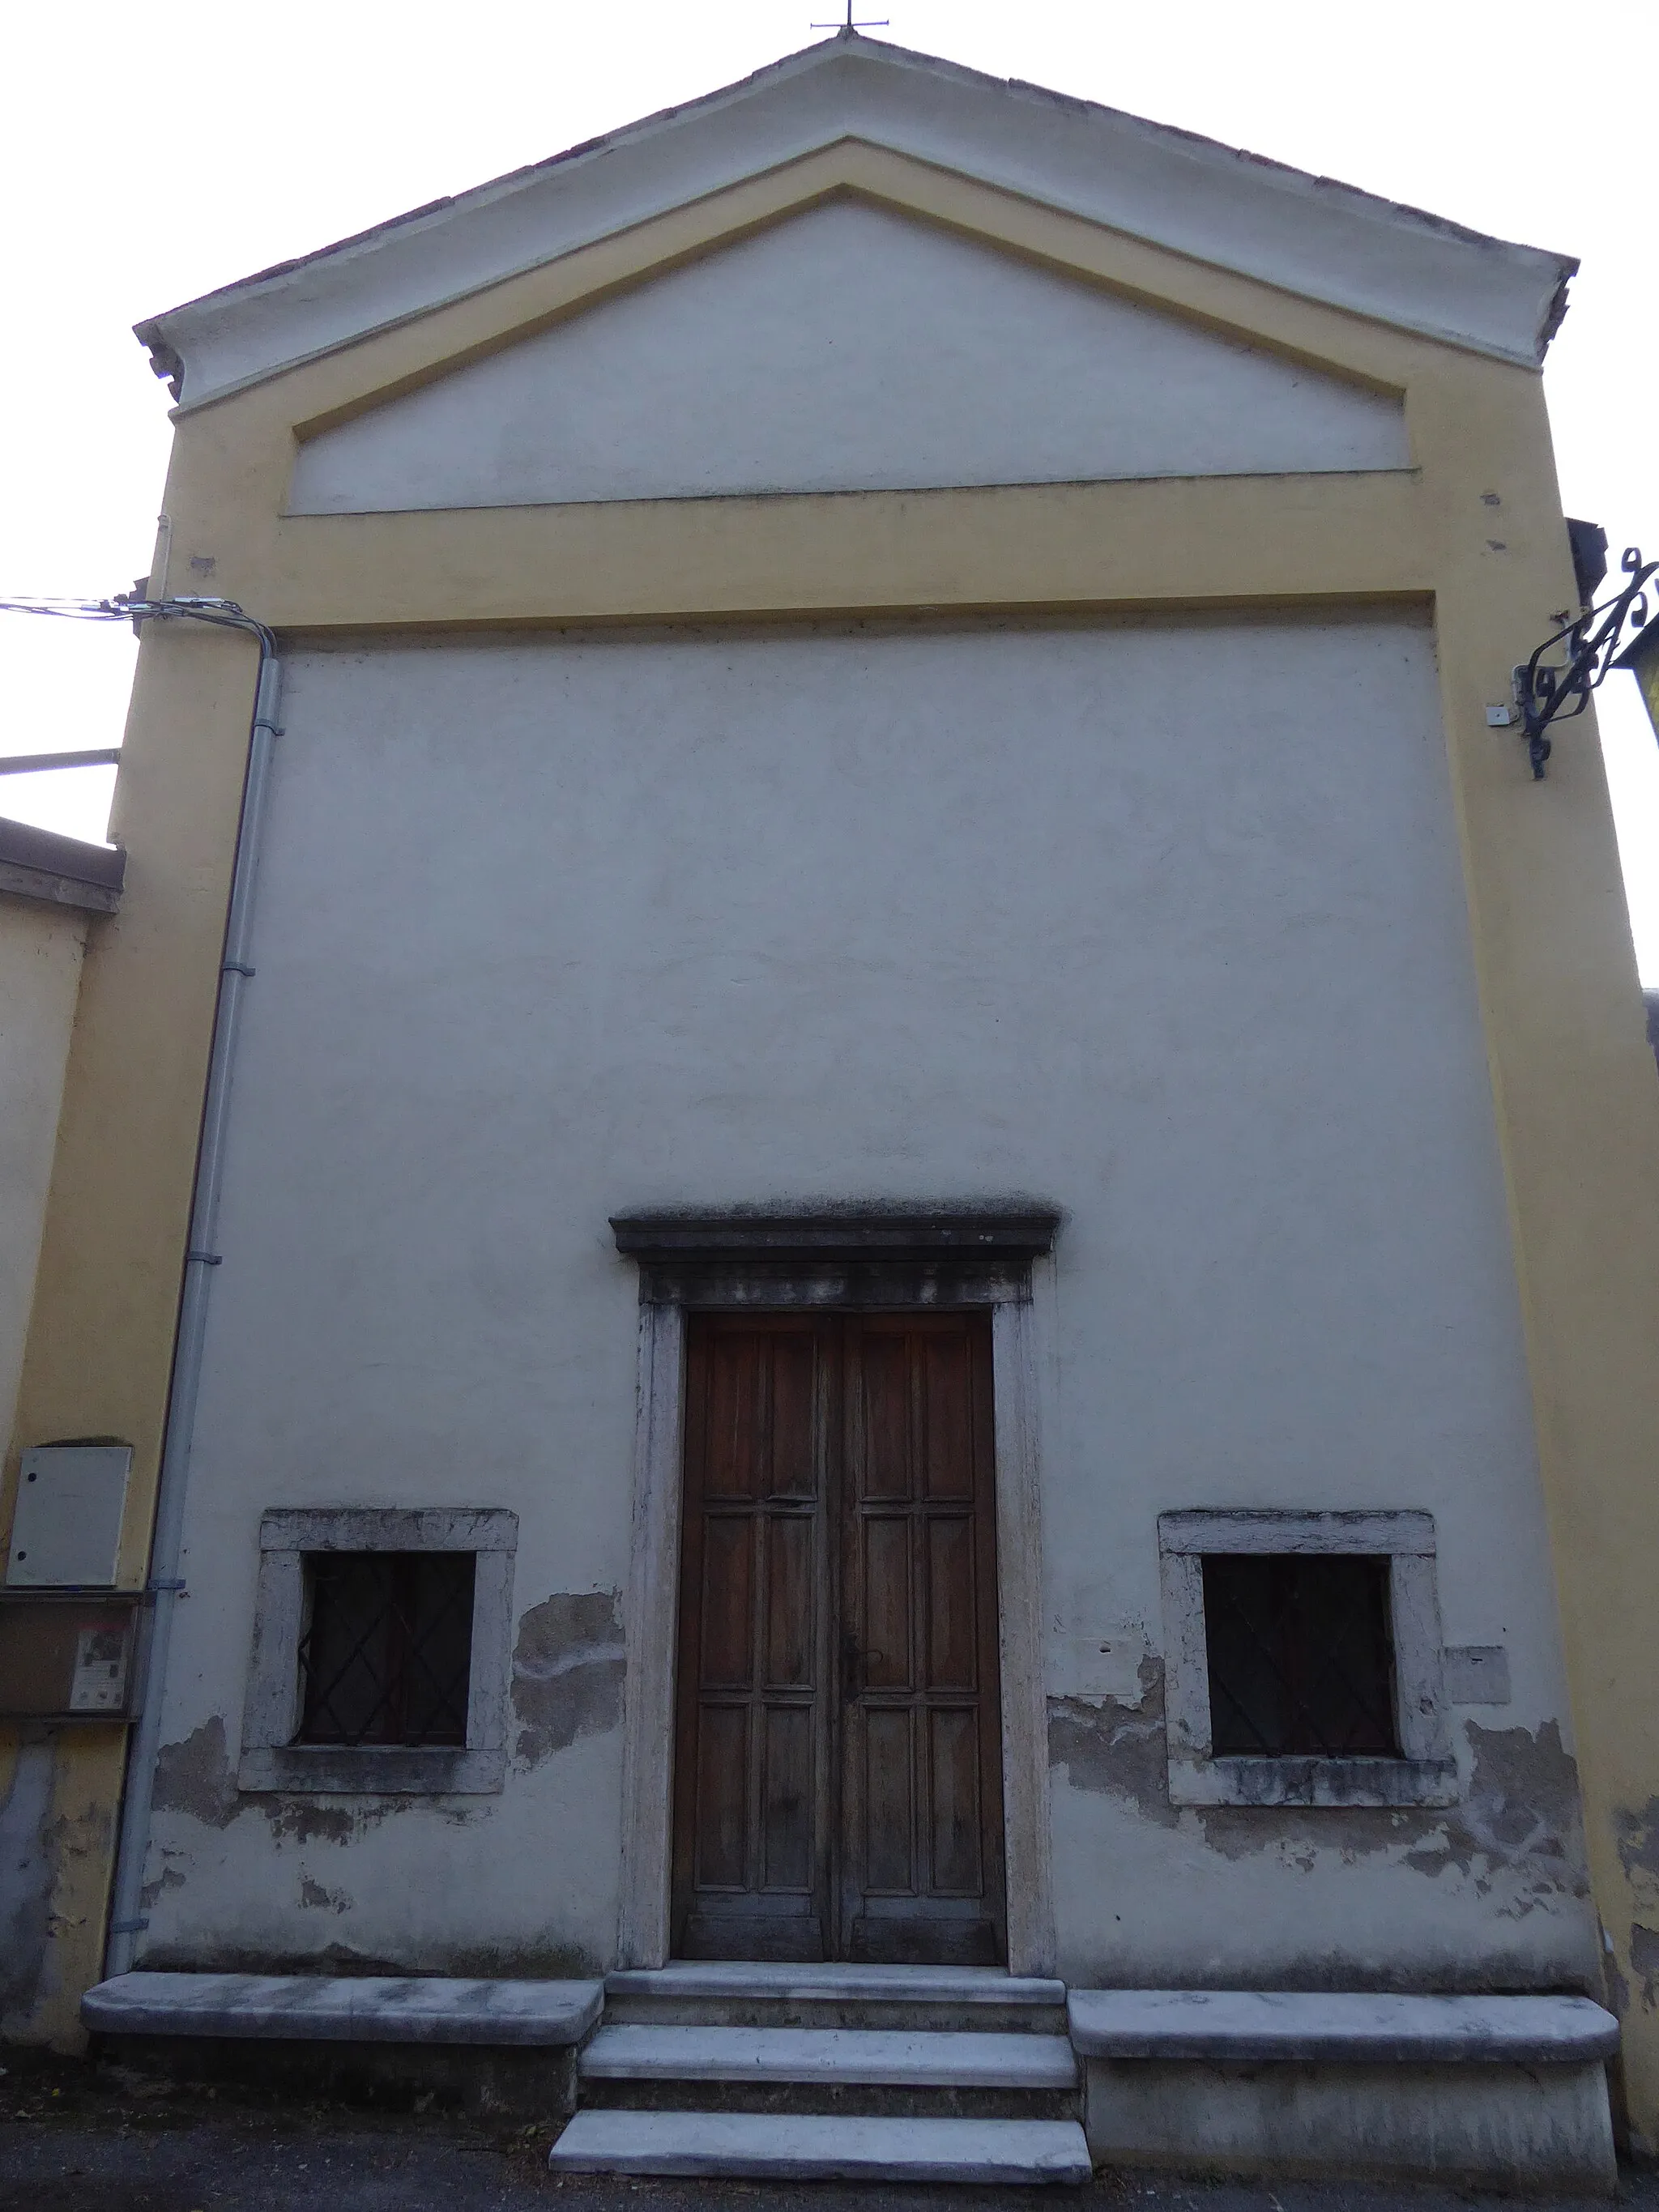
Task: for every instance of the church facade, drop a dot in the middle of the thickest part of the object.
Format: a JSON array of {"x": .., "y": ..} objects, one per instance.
[{"x": 931, "y": 1200}]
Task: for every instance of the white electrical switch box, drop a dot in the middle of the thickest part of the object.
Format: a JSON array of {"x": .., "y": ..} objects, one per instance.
[{"x": 67, "y": 1528}]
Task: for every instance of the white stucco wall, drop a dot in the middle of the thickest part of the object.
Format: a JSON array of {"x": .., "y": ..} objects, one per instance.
[
  {"x": 847, "y": 349},
  {"x": 41, "y": 948},
  {"x": 1162, "y": 922}
]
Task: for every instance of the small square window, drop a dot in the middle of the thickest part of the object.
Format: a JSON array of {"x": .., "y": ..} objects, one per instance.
[
  {"x": 1300, "y": 1656},
  {"x": 381, "y": 1651},
  {"x": 386, "y": 1655}
]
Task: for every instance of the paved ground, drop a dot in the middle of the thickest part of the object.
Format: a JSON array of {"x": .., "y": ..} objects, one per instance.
[{"x": 74, "y": 2140}]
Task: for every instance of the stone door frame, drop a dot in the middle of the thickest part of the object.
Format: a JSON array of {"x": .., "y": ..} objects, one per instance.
[{"x": 862, "y": 1257}]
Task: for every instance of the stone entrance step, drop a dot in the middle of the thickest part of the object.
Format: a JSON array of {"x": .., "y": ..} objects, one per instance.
[
  {"x": 804, "y": 2054},
  {"x": 830, "y": 2072},
  {"x": 719, "y": 1994},
  {"x": 435, "y": 2009},
  {"x": 824, "y": 2070},
  {"x": 492, "y": 2045},
  {"x": 761, "y": 2147},
  {"x": 1507, "y": 2092}
]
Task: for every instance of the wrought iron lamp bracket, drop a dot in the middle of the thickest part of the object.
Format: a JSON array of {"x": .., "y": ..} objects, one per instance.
[{"x": 1549, "y": 691}]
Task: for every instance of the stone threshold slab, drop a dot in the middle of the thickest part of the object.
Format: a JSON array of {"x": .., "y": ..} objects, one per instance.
[
  {"x": 761, "y": 2147},
  {"x": 1350, "y": 2028},
  {"x": 917, "y": 2058},
  {"x": 836, "y": 1983},
  {"x": 345, "y": 2008}
]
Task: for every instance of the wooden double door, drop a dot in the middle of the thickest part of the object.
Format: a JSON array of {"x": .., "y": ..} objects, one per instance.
[{"x": 837, "y": 1779}]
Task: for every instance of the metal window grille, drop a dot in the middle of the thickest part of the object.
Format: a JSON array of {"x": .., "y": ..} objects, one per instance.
[
  {"x": 386, "y": 1656},
  {"x": 1300, "y": 1657}
]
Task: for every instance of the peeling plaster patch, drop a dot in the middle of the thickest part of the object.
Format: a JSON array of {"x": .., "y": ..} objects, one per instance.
[
  {"x": 169, "y": 1878},
  {"x": 195, "y": 1778},
  {"x": 293, "y": 1821},
  {"x": 1300, "y": 1834},
  {"x": 313, "y": 1894},
  {"x": 1523, "y": 1802},
  {"x": 568, "y": 1668},
  {"x": 1520, "y": 1817},
  {"x": 1644, "y": 1961},
  {"x": 1639, "y": 1842},
  {"x": 1118, "y": 1749},
  {"x": 1618, "y": 1996},
  {"x": 26, "y": 1872},
  {"x": 302, "y": 1820},
  {"x": 84, "y": 1835}
]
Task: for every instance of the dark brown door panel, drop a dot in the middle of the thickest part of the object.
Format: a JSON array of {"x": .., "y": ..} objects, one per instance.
[
  {"x": 920, "y": 1862},
  {"x": 751, "y": 1851},
  {"x": 838, "y": 1774}
]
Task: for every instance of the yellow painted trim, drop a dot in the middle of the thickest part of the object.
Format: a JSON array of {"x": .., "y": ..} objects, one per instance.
[
  {"x": 78, "y": 1830},
  {"x": 1172, "y": 541},
  {"x": 345, "y": 380},
  {"x": 1032, "y": 545},
  {"x": 112, "y": 1253},
  {"x": 1474, "y": 530}
]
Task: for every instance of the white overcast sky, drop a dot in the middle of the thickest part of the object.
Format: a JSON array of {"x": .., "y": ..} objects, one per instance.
[{"x": 149, "y": 156}]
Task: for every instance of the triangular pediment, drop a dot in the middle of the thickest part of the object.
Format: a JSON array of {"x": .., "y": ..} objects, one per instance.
[
  {"x": 1307, "y": 236},
  {"x": 847, "y": 348}
]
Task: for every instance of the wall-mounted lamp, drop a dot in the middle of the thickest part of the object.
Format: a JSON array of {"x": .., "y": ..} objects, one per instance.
[
  {"x": 1641, "y": 657},
  {"x": 1549, "y": 691}
]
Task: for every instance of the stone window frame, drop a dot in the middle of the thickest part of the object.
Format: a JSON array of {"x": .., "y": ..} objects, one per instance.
[
  {"x": 1426, "y": 1774},
  {"x": 271, "y": 1759}
]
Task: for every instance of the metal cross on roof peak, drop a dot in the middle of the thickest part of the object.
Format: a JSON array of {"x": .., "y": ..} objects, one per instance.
[{"x": 849, "y": 26}]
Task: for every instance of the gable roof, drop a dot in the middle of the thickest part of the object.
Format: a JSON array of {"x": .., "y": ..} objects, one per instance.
[{"x": 1308, "y": 235}]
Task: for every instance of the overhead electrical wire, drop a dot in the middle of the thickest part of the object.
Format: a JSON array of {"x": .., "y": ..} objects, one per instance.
[
  {"x": 75, "y": 610},
  {"x": 134, "y": 607}
]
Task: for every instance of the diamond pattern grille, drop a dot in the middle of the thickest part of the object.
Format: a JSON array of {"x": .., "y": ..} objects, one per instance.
[
  {"x": 386, "y": 1656},
  {"x": 1300, "y": 1656}
]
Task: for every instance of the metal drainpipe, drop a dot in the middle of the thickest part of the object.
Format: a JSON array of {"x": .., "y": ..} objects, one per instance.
[{"x": 127, "y": 1918}]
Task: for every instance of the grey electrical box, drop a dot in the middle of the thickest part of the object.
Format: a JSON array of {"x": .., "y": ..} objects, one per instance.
[{"x": 66, "y": 1531}]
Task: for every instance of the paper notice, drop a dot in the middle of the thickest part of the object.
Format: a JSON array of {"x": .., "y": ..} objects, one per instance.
[{"x": 100, "y": 1681}]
